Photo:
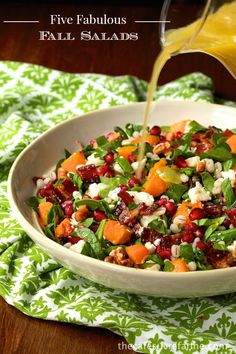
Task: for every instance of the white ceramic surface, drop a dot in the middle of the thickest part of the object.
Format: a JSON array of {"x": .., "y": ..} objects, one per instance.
[{"x": 43, "y": 154}]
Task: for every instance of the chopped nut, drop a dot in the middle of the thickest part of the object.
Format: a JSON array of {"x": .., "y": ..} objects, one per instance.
[
  {"x": 161, "y": 148},
  {"x": 119, "y": 256}
]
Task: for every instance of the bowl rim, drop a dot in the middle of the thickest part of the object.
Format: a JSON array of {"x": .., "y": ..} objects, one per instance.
[{"x": 45, "y": 241}]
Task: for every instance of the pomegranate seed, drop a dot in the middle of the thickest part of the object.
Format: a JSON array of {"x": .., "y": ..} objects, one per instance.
[
  {"x": 164, "y": 253},
  {"x": 68, "y": 211},
  {"x": 123, "y": 187},
  {"x": 191, "y": 227},
  {"x": 201, "y": 245},
  {"x": 155, "y": 130},
  {"x": 187, "y": 238},
  {"x": 162, "y": 201},
  {"x": 109, "y": 174},
  {"x": 178, "y": 135},
  {"x": 180, "y": 162},
  {"x": 134, "y": 181},
  {"x": 131, "y": 158},
  {"x": 170, "y": 208},
  {"x": 231, "y": 213},
  {"x": 102, "y": 169},
  {"x": 99, "y": 215},
  {"x": 97, "y": 198},
  {"x": 199, "y": 232},
  {"x": 66, "y": 203},
  {"x": 196, "y": 214},
  {"x": 226, "y": 223},
  {"x": 73, "y": 239},
  {"x": 109, "y": 158},
  {"x": 46, "y": 191},
  {"x": 126, "y": 197}
]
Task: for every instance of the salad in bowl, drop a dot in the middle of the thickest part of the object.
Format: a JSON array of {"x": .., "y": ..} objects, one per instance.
[{"x": 180, "y": 216}]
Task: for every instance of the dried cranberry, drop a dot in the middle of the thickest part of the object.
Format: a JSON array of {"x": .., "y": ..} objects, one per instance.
[
  {"x": 68, "y": 211},
  {"x": 99, "y": 215},
  {"x": 170, "y": 208},
  {"x": 166, "y": 241},
  {"x": 102, "y": 169},
  {"x": 46, "y": 191},
  {"x": 149, "y": 235},
  {"x": 134, "y": 181},
  {"x": 88, "y": 173},
  {"x": 226, "y": 223},
  {"x": 109, "y": 158},
  {"x": 213, "y": 210},
  {"x": 126, "y": 197},
  {"x": 196, "y": 214},
  {"x": 180, "y": 162},
  {"x": 155, "y": 130}
]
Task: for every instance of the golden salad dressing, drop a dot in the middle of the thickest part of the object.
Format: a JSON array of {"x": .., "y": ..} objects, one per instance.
[{"x": 217, "y": 38}]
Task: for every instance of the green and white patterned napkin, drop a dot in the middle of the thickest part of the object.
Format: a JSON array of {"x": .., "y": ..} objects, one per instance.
[{"x": 32, "y": 99}]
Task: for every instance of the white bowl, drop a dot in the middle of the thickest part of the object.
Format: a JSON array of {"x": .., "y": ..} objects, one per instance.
[{"x": 42, "y": 155}]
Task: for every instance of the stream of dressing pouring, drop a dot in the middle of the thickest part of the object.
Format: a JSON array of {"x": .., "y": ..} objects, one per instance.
[{"x": 217, "y": 37}]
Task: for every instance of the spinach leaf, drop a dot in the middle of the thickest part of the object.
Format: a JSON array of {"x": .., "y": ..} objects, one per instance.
[
  {"x": 208, "y": 181},
  {"x": 165, "y": 128},
  {"x": 33, "y": 202},
  {"x": 186, "y": 252},
  {"x": 152, "y": 260},
  {"x": 195, "y": 127},
  {"x": 123, "y": 134},
  {"x": 87, "y": 222},
  {"x": 125, "y": 166},
  {"x": 94, "y": 205},
  {"x": 89, "y": 236},
  {"x": 228, "y": 236},
  {"x": 176, "y": 191},
  {"x": 76, "y": 179},
  {"x": 99, "y": 232},
  {"x": 101, "y": 140},
  {"x": 158, "y": 225},
  {"x": 189, "y": 171},
  {"x": 208, "y": 222},
  {"x": 131, "y": 128},
  {"x": 220, "y": 246},
  {"x": 219, "y": 153},
  {"x": 67, "y": 153},
  {"x": 168, "y": 266},
  {"x": 228, "y": 192},
  {"x": 58, "y": 182},
  {"x": 229, "y": 164},
  {"x": 112, "y": 183}
]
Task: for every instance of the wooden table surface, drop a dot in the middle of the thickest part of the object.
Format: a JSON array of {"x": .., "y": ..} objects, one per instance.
[{"x": 20, "y": 334}]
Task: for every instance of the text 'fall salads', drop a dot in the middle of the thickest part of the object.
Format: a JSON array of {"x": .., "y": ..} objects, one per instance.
[{"x": 180, "y": 216}]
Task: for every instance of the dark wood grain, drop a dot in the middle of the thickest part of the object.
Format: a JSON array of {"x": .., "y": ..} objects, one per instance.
[{"x": 20, "y": 334}]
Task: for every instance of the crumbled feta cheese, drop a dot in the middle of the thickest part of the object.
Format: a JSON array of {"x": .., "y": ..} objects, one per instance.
[
  {"x": 146, "y": 219},
  {"x": 91, "y": 159},
  {"x": 210, "y": 166},
  {"x": 51, "y": 176},
  {"x": 78, "y": 247},
  {"x": 229, "y": 174},
  {"x": 74, "y": 223},
  {"x": 150, "y": 247},
  {"x": 193, "y": 161},
  {"x": 127, "y": 141},
  {"x": 77, "y": 195},
  {"x": 198, "y": 193},
  {"x": 155, "y": 267},
  {"x": 232, "y": 247},
  {"x": 195, "y": 242},
  {"x": 142, "y": 197},
  {"x": 192, "y": 266},
  {"x": 152, "y": 156},
  {"x": 135, "y": 165},
  {"x": 46, "y": 180},
  {"x": 94, "y": 189},
  {"x": 184, "y": 178},
  {"x": 136, "y": 134},
  {"x": 67, "y": 245},
  {"x": 217, "y": 186},
  {"x": 117, "y": 168},
  {"x": 113, "y": 195},
  {"x": 40, "y": 183},
  {"x": 179, "y": 220},
  {"x": 175, "y": 251},
  {"x": 157, "y": 242},
  {"x": 174, "y": 228}
]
